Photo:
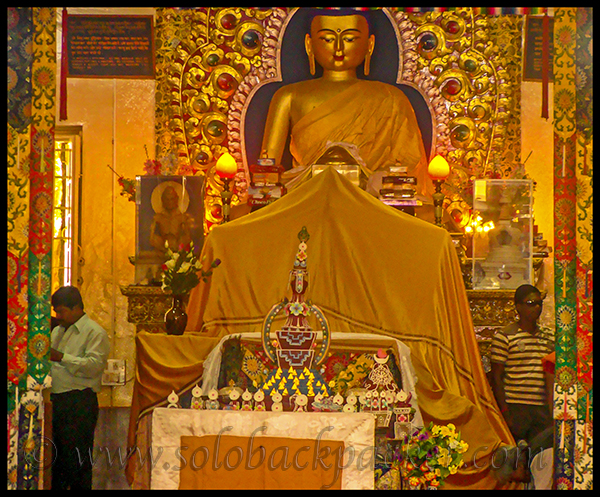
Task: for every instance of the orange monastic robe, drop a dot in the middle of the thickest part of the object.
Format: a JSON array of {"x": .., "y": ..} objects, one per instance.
[{"x": 376, "y": 118}]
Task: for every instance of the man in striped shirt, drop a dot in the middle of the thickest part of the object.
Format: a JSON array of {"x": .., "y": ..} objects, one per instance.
[{"x": 518, "y": 379}]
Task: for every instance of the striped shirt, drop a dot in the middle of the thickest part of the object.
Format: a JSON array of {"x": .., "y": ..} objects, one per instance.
[{"x": 521, "y": 354}]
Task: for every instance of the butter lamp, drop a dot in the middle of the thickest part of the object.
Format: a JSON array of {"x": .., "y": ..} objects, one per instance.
[
  {"x": 438, "y": 171},
  {"x": 226, "y": 168}
]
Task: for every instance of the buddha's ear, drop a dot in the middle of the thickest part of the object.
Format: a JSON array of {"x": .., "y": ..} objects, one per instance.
[
  {"x": 370, "y": 49},
  {"x": 311, "y": 55}
]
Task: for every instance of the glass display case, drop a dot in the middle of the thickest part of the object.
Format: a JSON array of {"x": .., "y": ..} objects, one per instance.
[{"x": 503, "y": 234}]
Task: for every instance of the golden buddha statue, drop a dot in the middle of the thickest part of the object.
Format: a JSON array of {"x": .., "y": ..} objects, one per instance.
[{"x": 375, "y": 118}]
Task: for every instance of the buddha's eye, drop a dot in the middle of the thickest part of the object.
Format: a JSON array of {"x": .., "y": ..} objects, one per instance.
[{"x": 327, "y": 39}]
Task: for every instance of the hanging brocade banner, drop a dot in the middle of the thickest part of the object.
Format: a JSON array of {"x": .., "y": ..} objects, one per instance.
[
  {"x": 573, "y": 252},
  {"x": 584, "y": 207},
  {"x": 41, "y": 191},
  {"x": 20, "y": 28}
]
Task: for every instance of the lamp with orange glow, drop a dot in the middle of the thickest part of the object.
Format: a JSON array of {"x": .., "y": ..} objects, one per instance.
[
  {"x": 226, "y": 168},
  {"x": 438, "y": 171}
]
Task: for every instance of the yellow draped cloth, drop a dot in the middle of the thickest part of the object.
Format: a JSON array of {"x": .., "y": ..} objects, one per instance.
[
  {"x": 375, "y": 117},
  {"x": 371, "y": 269},
  {"x": 165, "y": 363},
  {"x": 299, "y": 476}
]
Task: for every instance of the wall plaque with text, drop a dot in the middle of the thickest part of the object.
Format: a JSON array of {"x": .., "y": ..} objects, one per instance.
[
  {"x": 110, "y": 46},
  {"x": 532, "y": 68}
]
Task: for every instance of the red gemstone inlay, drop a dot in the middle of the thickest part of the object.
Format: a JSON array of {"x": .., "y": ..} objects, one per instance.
[
  {"x": 226, "y": 81},
  {"x": 452, "y": 27},
  {"x": 228, "y": 21},
  {"x": 453, "y": 87}
]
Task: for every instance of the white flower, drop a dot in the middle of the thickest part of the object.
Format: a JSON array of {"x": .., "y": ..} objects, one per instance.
[
  {"x": 171, "y": 264},
  {"x": 185, "y": 267}
]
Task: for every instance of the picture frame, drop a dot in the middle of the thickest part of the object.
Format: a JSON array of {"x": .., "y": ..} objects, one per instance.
[{"x": 168, "y": 208}]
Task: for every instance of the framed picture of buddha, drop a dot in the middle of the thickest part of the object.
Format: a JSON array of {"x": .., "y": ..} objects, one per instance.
[{"x": 169, "y": 210}]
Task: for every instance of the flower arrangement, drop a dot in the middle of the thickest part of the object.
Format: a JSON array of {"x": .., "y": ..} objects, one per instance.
[
  {"x": 431, "y": 454},
  {"x": 180, "y": 271},
  {"x": 127, "y": 185},
  {"x": 127, "y": 188},
  {"x": 166, "y": 166}
]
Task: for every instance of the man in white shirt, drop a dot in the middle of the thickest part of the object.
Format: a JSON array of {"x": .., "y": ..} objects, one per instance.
[{"x": 79, "y": 351}]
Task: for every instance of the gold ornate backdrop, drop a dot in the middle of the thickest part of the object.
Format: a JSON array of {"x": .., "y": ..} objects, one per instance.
[{"x": 466, "y": 65}]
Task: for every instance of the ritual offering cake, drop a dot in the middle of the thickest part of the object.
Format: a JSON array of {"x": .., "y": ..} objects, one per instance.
[
  {"x": 294, "y": 350},
  {"x": 265, "y": 182}
]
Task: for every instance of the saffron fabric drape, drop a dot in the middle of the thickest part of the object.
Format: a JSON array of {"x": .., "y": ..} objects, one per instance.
[{"x": 371, "y": 269}]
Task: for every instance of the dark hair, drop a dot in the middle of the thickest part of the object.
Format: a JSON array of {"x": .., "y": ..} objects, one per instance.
[
  {"x": 523, "y": 291},
  {"x": 67, "y": 296}
]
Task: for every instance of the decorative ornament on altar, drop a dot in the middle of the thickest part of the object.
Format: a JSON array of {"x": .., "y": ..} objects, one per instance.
[
  {"x": 226, "y": 168},
  {"x": 294, "y": 352},
  {"x": 173, "y": 400},
  {"x": 247, "y": 401},
  {"x": 212, "y": 403},
  {"x": 181, "y": 273},
  {"x": 438, "y": 171},
  {"x": 259, "y": 401},
  {"x": 381, "y": 389},
  {"x": 197, "y": 402},
  {"x": 431, "y": 454}
]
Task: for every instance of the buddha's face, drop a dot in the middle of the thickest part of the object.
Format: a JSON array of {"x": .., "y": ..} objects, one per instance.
[
  {"x": 340, "y": 43},
  {"x": 170, "y": 199}
]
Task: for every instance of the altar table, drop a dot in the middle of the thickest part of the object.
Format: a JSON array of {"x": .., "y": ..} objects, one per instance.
[{"x": 199, "y": 449}]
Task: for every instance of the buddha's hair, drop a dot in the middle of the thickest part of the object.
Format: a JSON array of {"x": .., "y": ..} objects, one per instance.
[{"x": 312, "y": 12}]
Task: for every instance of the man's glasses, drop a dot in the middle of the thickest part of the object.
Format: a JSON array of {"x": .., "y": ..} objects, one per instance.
[{"x": 533, "y": 303}]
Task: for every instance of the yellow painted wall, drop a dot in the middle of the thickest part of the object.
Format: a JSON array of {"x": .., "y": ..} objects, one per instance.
[
  {"x": 117, "y": 116},
  {"x": 537, "y": 137}
]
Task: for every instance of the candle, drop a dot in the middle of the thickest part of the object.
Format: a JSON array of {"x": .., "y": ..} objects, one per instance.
[
  {"x": 226, "y": 166},
  {"x": 438, "y": 168}
]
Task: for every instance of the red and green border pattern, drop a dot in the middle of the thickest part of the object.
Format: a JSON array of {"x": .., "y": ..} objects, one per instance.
[
  {"x": 30, "y": 164},
  {"x": 573, "y": 247}
]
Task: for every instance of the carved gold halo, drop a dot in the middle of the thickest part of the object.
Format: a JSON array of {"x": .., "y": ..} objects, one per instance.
[
  {"x": 270, "y": 71},
  {"x": 464, "y": 121},
  {"x": 468, "y": 126}
]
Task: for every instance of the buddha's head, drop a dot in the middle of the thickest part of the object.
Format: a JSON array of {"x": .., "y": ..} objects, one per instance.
[
  {"x": 170, "y": 199},
  {"x": 339, "y": 43}
]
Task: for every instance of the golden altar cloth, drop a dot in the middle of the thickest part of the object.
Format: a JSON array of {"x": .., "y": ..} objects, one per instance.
[{"x": 372, "y": 269}]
